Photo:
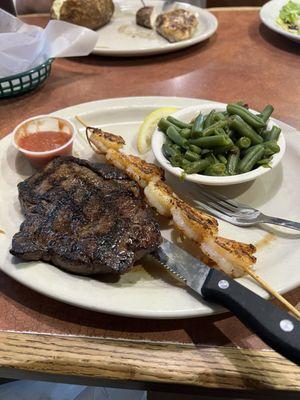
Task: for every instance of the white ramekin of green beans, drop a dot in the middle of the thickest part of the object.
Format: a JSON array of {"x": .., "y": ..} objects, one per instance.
[{"x": 219, "y": 144}]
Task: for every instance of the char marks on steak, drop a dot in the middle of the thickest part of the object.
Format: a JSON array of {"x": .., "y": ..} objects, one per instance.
[{"x": 85, "y": 218}]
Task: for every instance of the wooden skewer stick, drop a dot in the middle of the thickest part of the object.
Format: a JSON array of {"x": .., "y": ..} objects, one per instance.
[
  {"x": 250, "y": 271},
  {"x": 94, "y": 148},
  {"x": 81, "y": 121},
  {"x": 273, "y": 292}
]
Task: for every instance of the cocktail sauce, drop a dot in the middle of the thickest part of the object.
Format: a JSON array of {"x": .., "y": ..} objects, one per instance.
[
  {"x": 43, "y": 141},
  {"x": 44, "y": 137}
]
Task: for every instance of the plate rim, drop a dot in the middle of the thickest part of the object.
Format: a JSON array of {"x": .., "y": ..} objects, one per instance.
[{"x": 205, "y": 310}]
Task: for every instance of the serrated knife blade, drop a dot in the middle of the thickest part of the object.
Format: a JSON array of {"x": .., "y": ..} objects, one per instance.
[
  {"x": 274, "y": 326},
  {"x": 186, "y": 267}
]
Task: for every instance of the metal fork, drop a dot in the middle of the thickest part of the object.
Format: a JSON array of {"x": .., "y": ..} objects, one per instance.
[
  {"x": 237, "y": 213},
  {"x": 168, "y": 4}
]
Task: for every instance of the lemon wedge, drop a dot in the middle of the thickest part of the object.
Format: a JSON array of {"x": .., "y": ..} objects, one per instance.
[{"x": 148, "y": 127}]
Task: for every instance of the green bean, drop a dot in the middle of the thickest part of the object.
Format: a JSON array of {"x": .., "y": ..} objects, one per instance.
[
  {"x": 233, "y": 160},
  {"x": 223, "y": 149},
  {"x": 241, "y": 127},
  {"x": 209, "y": 119},
  {"x": 253, "y": 120},
  {"x": 251, "y": 158},
  {"x": 211, "y": 141},
  {"x": 221, "y": 131},
  {"x": 197, "y": 166},
  {"x": 182, "y": 176},
  {"x": 218, "y": 116},
  {"x": 211, "y": 130},
  {"x": 243, "y": 142},
  {"x": 266, "y": 113},
  {"x": 163, "y": 125},
  {"x": 175, "y": 136},
  {"x": 197, "y": 125},
  {"x": 195, "y": 149},
  {"x": 212, "y": 158},
  {"x": 222, "y": 159},
  {"x": 215, "y": 170},
  {"x": 264, "y": 162},
  {"x": 273, "y": 134},
  {"x": 230, "y": 133},
  {"x": 189, "y": 155},
  {"x": 176, "y": 147},
  {"x": 179, "y": 124},
  {"x": 264, "y": 133},
  {"x": 168, "y": 150},
  {"x": 186, "y": 133},
  {"x": 246, "y": 151},
  {"x": 185, "y": 163},
  {"x": 235, "y": 149},
  {"x": 176, "y": 160},
  {"x": 271, "y": 147}
]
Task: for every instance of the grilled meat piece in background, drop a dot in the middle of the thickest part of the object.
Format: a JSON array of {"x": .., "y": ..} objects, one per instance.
[
  {"x": 176, "y": 25},
  {"x": 146, "y": 17}
]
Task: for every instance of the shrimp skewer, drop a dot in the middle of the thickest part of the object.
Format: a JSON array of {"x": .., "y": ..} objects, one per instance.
[{"x": 234, "y": 258}]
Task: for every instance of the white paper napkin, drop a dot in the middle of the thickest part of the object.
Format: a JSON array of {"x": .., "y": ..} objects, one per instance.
[{"x": 24, "y": 46}]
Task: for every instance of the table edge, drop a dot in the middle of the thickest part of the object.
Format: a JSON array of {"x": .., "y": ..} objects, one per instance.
[
  {"x": 237, "y": 8},
  {"x": 143, "y": 361}
]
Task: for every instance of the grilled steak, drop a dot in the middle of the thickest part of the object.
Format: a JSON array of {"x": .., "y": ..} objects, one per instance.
[{"x": 85, "y": 218}]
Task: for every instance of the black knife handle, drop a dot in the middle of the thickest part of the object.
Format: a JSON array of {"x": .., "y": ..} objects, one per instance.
[{"x": 274, "y": 326}]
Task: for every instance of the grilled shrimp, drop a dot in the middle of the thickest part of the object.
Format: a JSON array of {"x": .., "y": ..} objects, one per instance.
[
  {"x": 139, "y": 170},
  {"x": 232, "y": 257},
  {"x": 160, "y": 197},
  {"x": 104, "y": 141},
  {"x": 193, "y": 223}
]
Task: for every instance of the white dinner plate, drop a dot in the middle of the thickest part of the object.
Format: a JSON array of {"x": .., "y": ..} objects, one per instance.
[
  {"x": 147, "y": 291},
  {"x": 121, "y": 37},
  {"x": 270, "y": 12}
]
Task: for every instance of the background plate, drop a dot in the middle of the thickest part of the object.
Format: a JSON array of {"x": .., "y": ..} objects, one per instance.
[
  {"x": 270, "y": 12},
  {"x": 148, "y": 291},
  {"x": 123, "y": 38}
]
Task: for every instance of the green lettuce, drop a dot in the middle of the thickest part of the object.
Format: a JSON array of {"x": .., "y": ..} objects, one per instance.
[
  {"x": 290, "y": 13},
  {"x": 289, "y": 17}
]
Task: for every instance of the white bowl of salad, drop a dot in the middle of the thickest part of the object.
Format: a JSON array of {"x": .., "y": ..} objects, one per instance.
[{"x": 282, "y": 16}]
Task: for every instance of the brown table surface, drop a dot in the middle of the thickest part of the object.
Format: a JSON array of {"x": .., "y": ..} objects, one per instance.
[{"x": 243, "y": 60}]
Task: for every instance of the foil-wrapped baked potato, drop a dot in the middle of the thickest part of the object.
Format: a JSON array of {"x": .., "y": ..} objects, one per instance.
[{"x": 89, "y": 13}]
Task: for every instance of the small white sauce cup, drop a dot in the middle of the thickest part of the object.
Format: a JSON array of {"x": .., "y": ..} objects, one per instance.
[{"x": 44, "y": 123}]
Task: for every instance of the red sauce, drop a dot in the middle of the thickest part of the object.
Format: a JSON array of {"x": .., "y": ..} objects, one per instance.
[{"x": 43, "y": 141}]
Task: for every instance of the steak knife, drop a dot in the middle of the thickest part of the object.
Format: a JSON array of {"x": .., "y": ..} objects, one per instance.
[{"x": 274, "y": 326}]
